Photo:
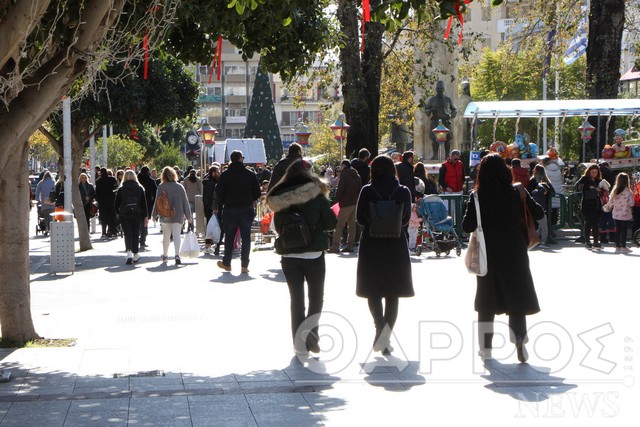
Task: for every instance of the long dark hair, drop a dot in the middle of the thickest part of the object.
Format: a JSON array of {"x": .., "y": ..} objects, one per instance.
[
  {"x": 494, "y": 177},
  {"x": 419, "y": 170},
  {"x": 382, "y": 166},
  {"x": 622, "y": 182}
]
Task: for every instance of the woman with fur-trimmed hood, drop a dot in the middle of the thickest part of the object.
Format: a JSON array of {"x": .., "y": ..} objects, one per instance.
[{"x": 307, "y": 194}]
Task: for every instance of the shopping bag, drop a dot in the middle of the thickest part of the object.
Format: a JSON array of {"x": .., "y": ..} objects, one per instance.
[
  {"x": 213, "y": 229},
  {"x": 190, "y": 247},
  {"x": 476, "y": 257}
]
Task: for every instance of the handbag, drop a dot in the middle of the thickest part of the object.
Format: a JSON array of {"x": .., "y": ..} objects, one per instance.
[
  {"x": 93, "y": 209},
  {"x": 190, "y": 247},
  {"x": 476, "y": 257},
  {"x": 213, "y": 229},
  {"x": 528, "y": 222}
]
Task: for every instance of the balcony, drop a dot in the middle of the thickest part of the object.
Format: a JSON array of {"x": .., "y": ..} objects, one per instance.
[
  {"x": 504, "y": 25},
  {"x": 209, "y": 98},
  {"x": 239, "y": 120}
]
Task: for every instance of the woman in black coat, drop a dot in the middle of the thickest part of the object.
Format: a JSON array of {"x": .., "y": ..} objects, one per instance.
[
  {"x": 508, "y": 285},
  {"x": 589, "y": 185},
  {"x": 106, "y": 186},
  {"x": 384, "y": 266},
  {"x": 131, "y": 206}
]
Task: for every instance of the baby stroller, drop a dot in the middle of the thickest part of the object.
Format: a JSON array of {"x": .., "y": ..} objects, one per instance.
[
  {"x": 438, "y": 233},
  {"x": 41, "y": 224}
]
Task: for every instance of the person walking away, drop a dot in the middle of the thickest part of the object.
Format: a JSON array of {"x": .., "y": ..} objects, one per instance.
[
  {"x": 295, "y": 153},
  {"x": 105, "y": 196},
  {"x": 542, "y": 192},
  {"x": 621, "y": 205},
  {"x": 384, "y": 265},
  {"x": 307, "y": 194},
  {"x": 45, "y": 195},
  {"x": 589, "y": 186},
  {"x": 171, "y": 220},
  {"x": 150, "y": 189},
  {"x": 131, "y": 207},
  {"x": 349, "y": 187},
  {"x": 361, "y": 165},
  {"x": 237, "y": 191},
  {"x": 210, "y": 203},
  {"x": 553, "y": 166},
  {"x": 508, "y": 285},
  {"x": 193, "y": 187},
  {"x": 87, "y": 194}
]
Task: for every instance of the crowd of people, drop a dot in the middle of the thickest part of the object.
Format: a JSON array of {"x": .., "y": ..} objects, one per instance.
[{"x": 336, "y": 207}]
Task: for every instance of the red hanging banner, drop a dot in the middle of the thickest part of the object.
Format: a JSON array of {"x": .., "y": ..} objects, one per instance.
[
  {"x": 366, "y": 17},
  {"x": 145, "y": 46},
  {"x": 219, "y": 55}
]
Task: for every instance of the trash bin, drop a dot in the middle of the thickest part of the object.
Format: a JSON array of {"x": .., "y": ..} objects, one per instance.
[{"x": 62, "y": 243}]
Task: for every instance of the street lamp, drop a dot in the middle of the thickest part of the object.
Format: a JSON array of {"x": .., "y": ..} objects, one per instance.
[
  {"x": 340, "y": 129},
  {"x": 207, "y": 135},
  {"x": 302, "y": 134},
  {"x": 586, "y": 129},
  {"x": 441, "y": 132}
]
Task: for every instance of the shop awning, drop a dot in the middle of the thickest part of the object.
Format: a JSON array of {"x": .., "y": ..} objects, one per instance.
[{"x": 555, "y": 108}]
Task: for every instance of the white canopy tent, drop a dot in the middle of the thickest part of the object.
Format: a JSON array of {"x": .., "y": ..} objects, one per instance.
[{"x": 555, "y": 108}]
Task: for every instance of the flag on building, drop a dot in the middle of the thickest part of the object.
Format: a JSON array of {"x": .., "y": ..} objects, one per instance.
[{"x": 578, "y": 45}]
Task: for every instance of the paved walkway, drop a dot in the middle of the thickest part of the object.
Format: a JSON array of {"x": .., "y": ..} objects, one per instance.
[{"x": 161, "y": 345}]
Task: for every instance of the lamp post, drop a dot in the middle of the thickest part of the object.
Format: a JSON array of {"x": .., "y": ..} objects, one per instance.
[
  {"x": 441, "y": 132},
  {"x": 586, "y": 129},
  {"x": 207, "y": 135},
  {"x": 340, "y": 129},
  {"x": 302, "y": 134}
]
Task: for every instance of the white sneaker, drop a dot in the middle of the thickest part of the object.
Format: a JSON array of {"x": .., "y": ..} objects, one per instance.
[
  {"x": 136, "y": 257},
  {"x": 129, "y": 255},
  {"x": 208, "y": 250}
]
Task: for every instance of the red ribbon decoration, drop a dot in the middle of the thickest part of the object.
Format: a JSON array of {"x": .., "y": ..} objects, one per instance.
[
  {"x": 219, "y": 55},
  {"x": 145, "y": 46},
  {"x": 366, "y": 17},
  {"x": 460, "y": 17}
]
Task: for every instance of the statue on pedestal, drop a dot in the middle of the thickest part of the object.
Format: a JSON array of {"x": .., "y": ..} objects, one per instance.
[{"x": 440, "y": 107}]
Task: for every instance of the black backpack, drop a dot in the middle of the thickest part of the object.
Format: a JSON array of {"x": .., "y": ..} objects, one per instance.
[
  {"x": 385, "y": 217},
  {"x": 130, "y": 203},
  {"x": 294, "y": 231}
]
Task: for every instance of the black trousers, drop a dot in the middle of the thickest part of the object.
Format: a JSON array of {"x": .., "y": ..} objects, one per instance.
[
  {"x": 383, "y": 316},
  {"x": 296, "y": 271},
  {"x": 131, "y": 231},
  {"x": 517, "y": 327},
  {"x": 621, "y": 233},
  {"x": 591, "y": 214}
]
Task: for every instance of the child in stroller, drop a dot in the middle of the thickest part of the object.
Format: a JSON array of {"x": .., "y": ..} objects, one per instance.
[
  {"x": 438, "y": 233},
  {"x": 42, "y": 224}
]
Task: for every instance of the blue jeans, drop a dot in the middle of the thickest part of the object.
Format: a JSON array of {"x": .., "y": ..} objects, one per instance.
[{"x": 232, "y": 220}]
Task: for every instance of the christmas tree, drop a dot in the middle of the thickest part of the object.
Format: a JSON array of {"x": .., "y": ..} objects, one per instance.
[{"x": 262, "y": 122}]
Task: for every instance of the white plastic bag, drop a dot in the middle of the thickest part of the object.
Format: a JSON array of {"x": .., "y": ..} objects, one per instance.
[
  {"x": 476, "y": 257},
  {"x": 213, "y": 229},
  {"x": 190, "y": 247}
]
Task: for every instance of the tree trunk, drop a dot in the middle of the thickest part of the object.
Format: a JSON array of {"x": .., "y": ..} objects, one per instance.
[
  {"x": 606, "y": 22},
  {"x": 77, "y": 149},
  {"x": 24, "y": 114},
  {"x": 372, "y": 69},
  {"x": 15, "y": 297}
]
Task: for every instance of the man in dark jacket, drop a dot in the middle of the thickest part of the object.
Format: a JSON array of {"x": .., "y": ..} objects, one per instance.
[
  {"x": 150, "y": 190},
  {"x": 347, "y": 194},
  {"x": 405, "y": 173},
  {"x": 361, "y": 165},
  {"x": 237, "y": 190},
  {"x": 295, "y": 153},
  {"x": 210, "y": 203}
]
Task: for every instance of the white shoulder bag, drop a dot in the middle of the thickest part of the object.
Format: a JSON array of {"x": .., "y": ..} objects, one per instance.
[{"x": 476, "y": 257}]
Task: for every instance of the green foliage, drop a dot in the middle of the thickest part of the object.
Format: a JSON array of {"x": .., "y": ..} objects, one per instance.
[
  {"x": 169, "y": 155},
  {"x": 322, "y": 143},
  {"x": 397, "y": 90},
  {"x": 121, "y": 152}
]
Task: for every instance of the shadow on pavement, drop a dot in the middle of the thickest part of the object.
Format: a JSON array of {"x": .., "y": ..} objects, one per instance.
[
  {"x": 393, "y": 374},
  {"x": 524, "y": 382}
]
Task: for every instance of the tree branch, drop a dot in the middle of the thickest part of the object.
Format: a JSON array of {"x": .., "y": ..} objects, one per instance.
[{"x": 19, "y": 22}]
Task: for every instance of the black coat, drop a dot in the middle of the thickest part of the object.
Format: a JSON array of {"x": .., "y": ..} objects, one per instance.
[
  {"x": 150, "y": 189},
  {"x": 405, "y": 176},
  {"x": 105, "y": 193},
  {"x": 508, "y": 285},
  {"x": 237, "y": 187},
  {"x": 384, "y": 265},
  {"x": 209, "y": 199},
  {"x": 131, "y": 189}
]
